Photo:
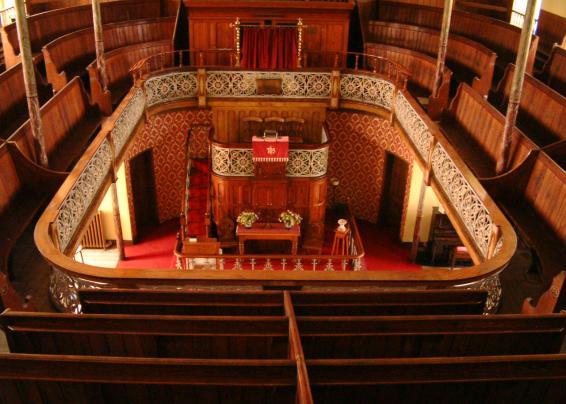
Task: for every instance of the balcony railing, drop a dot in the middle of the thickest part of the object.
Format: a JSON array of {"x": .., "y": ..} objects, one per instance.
[{"x": 162, "y": 85}]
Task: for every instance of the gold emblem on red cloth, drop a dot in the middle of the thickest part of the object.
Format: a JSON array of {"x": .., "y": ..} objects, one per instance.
[{"x": 271, "y": 150}]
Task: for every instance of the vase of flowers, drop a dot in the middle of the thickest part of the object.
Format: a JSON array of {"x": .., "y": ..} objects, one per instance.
[
  {"x": 290, "y": 218},
  {"x": 246, "y": 218}
]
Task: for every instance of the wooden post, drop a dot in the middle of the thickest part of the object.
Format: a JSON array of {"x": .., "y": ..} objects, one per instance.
[
  {"x": 237, "y": 42},
  {"x": 334, "y": 89},
  {"x": 442, "y": 46},
  {"x": 517, "y": 86},
  {"x": 99, "y": 42},
  {"x": 115, "y": 204},
  {"x": 28, "y": 68}
]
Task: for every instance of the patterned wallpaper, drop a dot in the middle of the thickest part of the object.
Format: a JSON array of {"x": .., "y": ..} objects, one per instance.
[
  {"x": 166, "y": 134},
  {"x": 357, "y": 159}
]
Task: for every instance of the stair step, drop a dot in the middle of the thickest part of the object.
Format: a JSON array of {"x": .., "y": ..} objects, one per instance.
[{"x": 201, "y": 165}]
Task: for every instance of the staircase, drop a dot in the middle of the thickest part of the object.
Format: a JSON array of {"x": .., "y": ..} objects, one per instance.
[{"x": 199, "y": 184}]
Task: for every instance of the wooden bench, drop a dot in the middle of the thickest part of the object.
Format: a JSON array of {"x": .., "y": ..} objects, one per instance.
[
  {"x": 532, "y": 197},
  {"x": 551, "y": 29},
  {"x": 249, "y": 303},
  {"x": 52, "y": 379},
  {"x": 406, "y": 302},
  {"x": 554, "y": 71},
  {"x": 70, "y": 54},
  {"x": 118, "y": 63},
  {"x": 470, "y": 61},
  {"x": 421, "y": 80},
  {"x": 499, "y": 36},
  {"x": 430, "y": 336},
  {"x": 475, "y": 128},
  {"x": 24, "y": 189},
  {"x": 147, "y": 336},
  {"x": 542, "y": 111},
  {"x": 489, "y": 379},
  {"x": 69, "y": 122},
  {"x": 14, "y": 108},
  {"x": 48, "y": 26}
]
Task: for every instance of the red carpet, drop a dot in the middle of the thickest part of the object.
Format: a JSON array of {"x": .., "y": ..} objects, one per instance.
[{"x": 382, "y": 248}]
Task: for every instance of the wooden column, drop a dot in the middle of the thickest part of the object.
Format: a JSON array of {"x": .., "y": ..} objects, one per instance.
[
  {"x": 29, "y": 81},
  {"x": 517, "y": 86},
  {"x": 443, "y": 45},
  {"x": 115, "y": 205},
  {"x": 99, "y": 42}
]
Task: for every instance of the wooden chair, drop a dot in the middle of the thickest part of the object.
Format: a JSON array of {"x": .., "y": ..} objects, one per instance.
[
  {"x": 274, "y": 123},
  {"x": 294, "y": 128},
  {"x": 251, "y": 126}
]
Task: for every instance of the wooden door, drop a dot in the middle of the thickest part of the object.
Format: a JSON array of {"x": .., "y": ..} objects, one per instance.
[
  {"x": 143, "y": 190},
  {"x": 270, "y": 199},
  {"x": 394, "y": 186}
]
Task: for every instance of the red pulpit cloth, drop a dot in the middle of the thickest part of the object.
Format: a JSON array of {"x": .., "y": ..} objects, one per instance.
[{"x": 270, "y": 149}]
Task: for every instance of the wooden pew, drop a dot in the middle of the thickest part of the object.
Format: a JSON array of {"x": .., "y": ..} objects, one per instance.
[
  {"x": 487, "y": 379},
  {"x": 554, "y": 71},
  {"x": 470, "y": 61},
  {"x": 147, "y": 336},
  {"x": 52, "y": 379},
  {"x": 430, "y": 336},
  {"x": 47, "y": 26},
  {"x": 551, "y": 29},
  {"x": 499, "y": 36},
  {"x": 475, "y": 128},
  {"x": 213, "y": 303},
  {"x": 118, "y": 63},
  {"x": 406, "y": 302},
  {"x": 552, "y": 300},
  {"x": 421, "y": 80},
  {"x": 69, "y": 122},
  {"x": 24, "y": 188},
  {"x": 70, "y": 54},
  {"x": 532, "y": 196},
  {"x": 13, "y": 107},
  {"x": 542, "y": 111}
]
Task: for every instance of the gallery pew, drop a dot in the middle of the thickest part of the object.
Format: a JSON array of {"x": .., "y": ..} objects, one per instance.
[
  {"x": 421, "y": 81},
  {"x": 69, "y": 55},
  {"x": 430, "y": 336},
  {"x": 234, "y": 337},
  {"x": 24, "y": 188},
  {"x": 13, "y": 107},
  {"x": 542, "y": 111},
  {"x": 531, "y": 195},
  {"x": 486, "y": 379},
  {"x": 499, "y": 36},
  {"x": 475, "y": 128},
  {"x": 554, "y": 71},
  {"x": 69, "y": 122},
  {"x": 47, "y": 26},
  {"x": 470, "y": 61},
  {"x": 118, "y": 63},
  {"x": 54, "y": 379}
]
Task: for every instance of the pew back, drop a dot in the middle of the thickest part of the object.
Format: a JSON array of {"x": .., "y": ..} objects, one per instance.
[
  {"x": 499, "y": 36},
  {"x": 47, "y": 26},
  {"x": 13, "y": 108},
  {"x": 542, "y": 111},
  {"x": 554, "y": 71},
  {"x": 68, "y": 120},
  {"x": 475, "y": 127},
  {"x": 471, "y": 61},
  {"x": 70, "y": 54}
]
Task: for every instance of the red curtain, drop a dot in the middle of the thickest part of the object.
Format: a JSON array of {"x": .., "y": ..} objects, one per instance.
[{"x": 269, "y": 48}]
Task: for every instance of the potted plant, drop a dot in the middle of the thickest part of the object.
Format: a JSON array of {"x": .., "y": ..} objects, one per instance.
[
  {"x": 246, "y": 218},
  {"x": 290, "y": 218}
]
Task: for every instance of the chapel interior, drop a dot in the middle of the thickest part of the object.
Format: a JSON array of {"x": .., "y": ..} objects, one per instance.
[{"x": 307, "y": 201}]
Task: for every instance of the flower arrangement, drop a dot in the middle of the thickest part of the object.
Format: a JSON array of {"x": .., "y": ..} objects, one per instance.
[
  {"x": 247, "y": 218},
  {"x": 290, "y": 218}
]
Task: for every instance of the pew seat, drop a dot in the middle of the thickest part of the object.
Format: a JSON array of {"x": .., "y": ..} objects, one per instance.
[
  {"x": 13, "y": 107},
  {"x": 475, "y": 128},
  {"x": 69, "y": 123},
  {"x": 542, "y": 111}
]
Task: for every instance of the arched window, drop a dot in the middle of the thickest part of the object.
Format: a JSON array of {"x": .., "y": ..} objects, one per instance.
[{"x": 518, "y": 13}]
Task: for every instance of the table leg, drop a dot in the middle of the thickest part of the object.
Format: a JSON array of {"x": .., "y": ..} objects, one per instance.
[{"x": 241, "y": 246}]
